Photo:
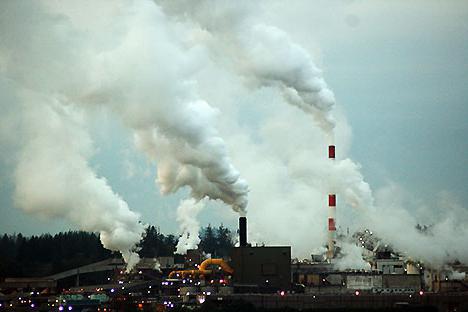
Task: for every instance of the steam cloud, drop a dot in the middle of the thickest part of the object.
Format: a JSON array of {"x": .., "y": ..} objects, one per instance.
[
  {"x": 263, "y": 54},
  {"x": 66, "y": 67},
  {"x": 188, "y": 225},
  {"x": 156, "y": 66},
  {"x": 352, "y": 258}
]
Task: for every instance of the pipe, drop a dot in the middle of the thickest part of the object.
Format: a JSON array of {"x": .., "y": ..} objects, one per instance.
[
  {"x": 202, "y": 269},
  {"x": 242, "y": 231},
  {"x": 226, "y": 268}
]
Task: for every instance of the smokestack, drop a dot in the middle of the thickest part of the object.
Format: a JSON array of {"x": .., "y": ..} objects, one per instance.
[
  {"x": 331, "y": 151},
  {"x": 242, "y": 231},
  {"x": 331, "y": 213}
]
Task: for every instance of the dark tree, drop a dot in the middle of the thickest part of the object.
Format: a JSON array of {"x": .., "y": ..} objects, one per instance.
[
  {"x": 224, "y": 241},
  {"x": 216, "y": 241},
  {"x": 208, "y": 240},
  {"x": 156, "y": 244}
]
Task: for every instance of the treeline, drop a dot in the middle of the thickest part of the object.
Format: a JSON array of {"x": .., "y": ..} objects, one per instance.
[
  {"x": 215, "y": 241},
  {"x": 47, "y": 254}
]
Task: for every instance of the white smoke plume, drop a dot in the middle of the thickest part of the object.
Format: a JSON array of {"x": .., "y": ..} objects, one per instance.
[
  {"x": 263, "y": 54},
  {"x": 395, "y": 218},
  {"x": 156, "y": 66},
  {"x": 172, "y": 125},
  {"x": 53, "y": 177},
  {"x": 65, "y": 65},
  {"x": 351, "y": 259},
  {"x": 189, "y": 226}
]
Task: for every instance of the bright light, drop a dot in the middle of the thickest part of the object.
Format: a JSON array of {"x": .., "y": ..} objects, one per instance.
[
  {"x": 60, "y": 308},
  {"x": 421, "y": 292},
  {"x": 112, "y": 290},
  {"x": 32, "y": 305},
  {"x": 70, "y": 308},
  {"x": 357, "y": 292},
  {"x": 282, "y": 293}
]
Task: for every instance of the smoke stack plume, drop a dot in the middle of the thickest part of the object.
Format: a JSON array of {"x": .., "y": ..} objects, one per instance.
[{"x": 242, "y": 231}]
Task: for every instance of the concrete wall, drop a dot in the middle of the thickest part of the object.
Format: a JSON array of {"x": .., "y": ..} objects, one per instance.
[
  {"x": 364, "y": 282},
  {"x": 401, "y": 281}
]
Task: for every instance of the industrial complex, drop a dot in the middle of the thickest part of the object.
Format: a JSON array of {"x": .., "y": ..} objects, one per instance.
[{"x": 264, "y": 276}]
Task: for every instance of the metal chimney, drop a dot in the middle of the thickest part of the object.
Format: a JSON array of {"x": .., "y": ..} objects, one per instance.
[
  {"x": 331, "y": 213},
  {"x": 242, "y": 231}
]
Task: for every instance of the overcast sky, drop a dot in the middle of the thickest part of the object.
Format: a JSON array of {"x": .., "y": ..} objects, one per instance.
[{"x": 399, "y": 71}]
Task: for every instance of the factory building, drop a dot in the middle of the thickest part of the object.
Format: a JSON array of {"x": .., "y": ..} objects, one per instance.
[
  {"x": 264, "y": 268},
  {"x": 390, "y": 266},
  {"x": 268, "y": 268}
]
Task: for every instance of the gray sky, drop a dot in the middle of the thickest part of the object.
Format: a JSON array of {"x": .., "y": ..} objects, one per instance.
[{"x": 399, "y": 70}]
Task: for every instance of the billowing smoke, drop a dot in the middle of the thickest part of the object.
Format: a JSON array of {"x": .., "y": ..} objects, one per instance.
[
  {"x": 64, "y": 67},
  {"x": 352, "y": 258},
  {"x": 188, "y": 224},
  {"x": 190, "y": 80},
  {"x": 395, "y": 218},
  {"x": 156, "y": 97},
  {"x": 53, "y": 177},
  {"x": 263, "y": 54}
]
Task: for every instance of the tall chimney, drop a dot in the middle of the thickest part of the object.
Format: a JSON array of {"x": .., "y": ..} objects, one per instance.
[
  {"x": 242, "y": 231},
  {"x": 331, "y": 213}
]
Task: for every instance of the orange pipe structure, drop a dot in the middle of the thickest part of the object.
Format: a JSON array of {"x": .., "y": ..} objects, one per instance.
[
  {"x": 202, "y": 269},
  {"x": 226, "y": 268}
]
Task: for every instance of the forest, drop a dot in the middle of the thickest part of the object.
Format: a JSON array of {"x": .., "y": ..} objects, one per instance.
[{"x": 47, "y": 254}]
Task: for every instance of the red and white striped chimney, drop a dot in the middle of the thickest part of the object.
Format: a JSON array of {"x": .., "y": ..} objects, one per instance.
[{"x": 331, "y": 213}]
